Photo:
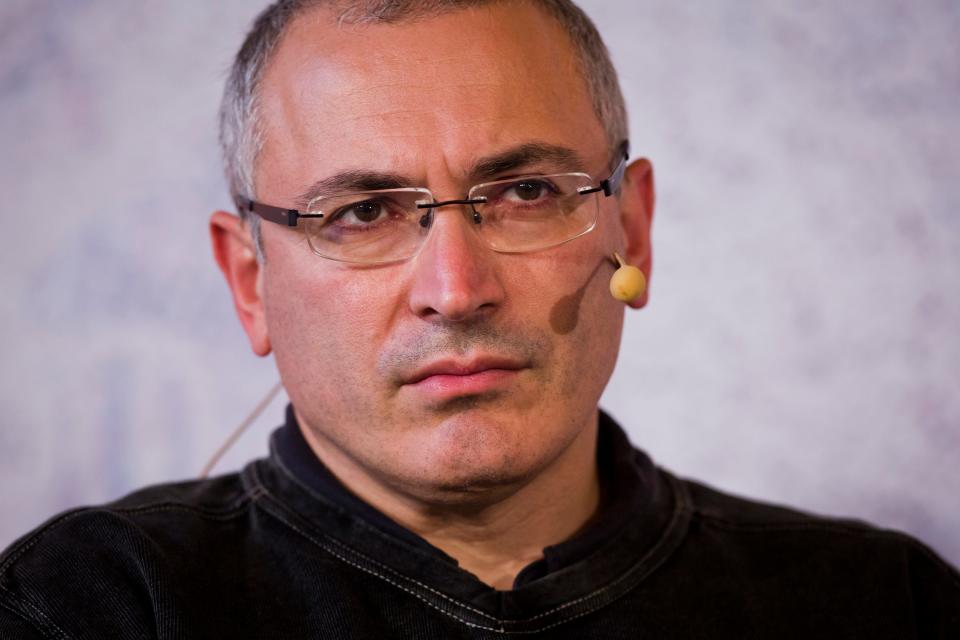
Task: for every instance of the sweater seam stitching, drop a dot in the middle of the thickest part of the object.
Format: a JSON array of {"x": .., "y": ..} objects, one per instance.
[
  {"x": 227, "y": 513},
  {"x": 43, "y": 625},
  {"x": 680, "y": 508},
  {"x": 340, "y": 510},
  {"x": 266, "y": 493}
]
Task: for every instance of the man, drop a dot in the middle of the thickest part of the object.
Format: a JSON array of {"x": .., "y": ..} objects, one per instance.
[{"x": 435, "y": 196}]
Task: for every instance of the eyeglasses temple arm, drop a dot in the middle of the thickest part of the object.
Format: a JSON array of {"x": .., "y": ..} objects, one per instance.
[
  {"x": 612, "y": 184},
  {"x": 279, "y": 215}
]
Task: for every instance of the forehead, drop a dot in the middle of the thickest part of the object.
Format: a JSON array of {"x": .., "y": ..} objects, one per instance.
[{"x": 419, "y": 96}]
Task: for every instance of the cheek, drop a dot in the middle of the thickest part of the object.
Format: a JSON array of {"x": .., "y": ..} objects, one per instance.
[
  {"x": 318, "y": 320},
  {"x": 570, "y": 288},
  {"x": 591, "y": 347}
]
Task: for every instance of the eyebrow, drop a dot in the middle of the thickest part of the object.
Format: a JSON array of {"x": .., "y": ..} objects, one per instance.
[
  {"x": 562, "y": 159},
  {"x": 352, "y": 181},
  {"x": 525, "y": 155}
]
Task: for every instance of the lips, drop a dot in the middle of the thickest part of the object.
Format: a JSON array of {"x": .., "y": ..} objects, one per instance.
[
  {"x": 463, "y": 367},
  {"x": 454, "y": 377}
]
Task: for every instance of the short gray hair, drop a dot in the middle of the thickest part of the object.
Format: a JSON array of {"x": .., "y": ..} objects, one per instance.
[{"x": 240, "y": 135}]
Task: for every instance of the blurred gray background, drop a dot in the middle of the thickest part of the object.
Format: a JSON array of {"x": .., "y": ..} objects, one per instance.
[{"x": 801, "y": 345}]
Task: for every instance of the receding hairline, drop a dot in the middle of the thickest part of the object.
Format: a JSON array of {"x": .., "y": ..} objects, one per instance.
[
  {"x": 345, "y": 12},
  {"x": 241, "y": 130},
  {"x": 332, "y": 17}
]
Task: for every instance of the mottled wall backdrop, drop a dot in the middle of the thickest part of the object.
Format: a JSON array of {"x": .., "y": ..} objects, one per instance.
[{"x": 802, "y": 340}]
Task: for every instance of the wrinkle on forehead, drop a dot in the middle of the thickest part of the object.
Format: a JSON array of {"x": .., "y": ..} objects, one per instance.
[{"x": 519, "y": 158}]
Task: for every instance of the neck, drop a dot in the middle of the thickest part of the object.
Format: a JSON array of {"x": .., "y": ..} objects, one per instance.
[{"x": 496, "y": 538}]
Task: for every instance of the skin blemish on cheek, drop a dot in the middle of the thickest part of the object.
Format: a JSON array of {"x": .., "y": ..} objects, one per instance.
[{"x": 565, "y": 313}]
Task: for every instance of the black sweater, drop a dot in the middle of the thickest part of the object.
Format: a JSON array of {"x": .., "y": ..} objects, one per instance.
[{"x": 282, "y": 550}]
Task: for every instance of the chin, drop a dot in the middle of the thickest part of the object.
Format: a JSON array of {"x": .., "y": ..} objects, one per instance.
[{"x": 472, "y": 453}]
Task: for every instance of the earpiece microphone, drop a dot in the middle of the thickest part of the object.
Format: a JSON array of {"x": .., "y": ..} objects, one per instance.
[{"x": 628, "y": 282}]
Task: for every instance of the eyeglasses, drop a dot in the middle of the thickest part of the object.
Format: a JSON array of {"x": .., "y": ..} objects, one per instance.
[{"x": 518, "y": 215}]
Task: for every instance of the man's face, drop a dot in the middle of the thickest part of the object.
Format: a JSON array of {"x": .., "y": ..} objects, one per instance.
[{"x": 536, "y": 334}]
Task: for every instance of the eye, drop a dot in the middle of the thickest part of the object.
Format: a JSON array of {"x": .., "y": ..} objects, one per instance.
[
  {"x": 360, "y": 214},
  {"x": 528, "y": 190}
]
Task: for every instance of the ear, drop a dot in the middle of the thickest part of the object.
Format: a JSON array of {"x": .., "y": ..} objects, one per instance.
[
  {"x": 636, "y": 216},
  {"x": 237, "y": 257}
]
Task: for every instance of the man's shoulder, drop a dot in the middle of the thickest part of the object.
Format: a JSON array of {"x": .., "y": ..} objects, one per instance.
[
  {"x": 213, "y": 497},
  {"x": 716, "y": 510},
  {"x": 725, "y": 508},
  {"x": 118, "y": 551},
  {"x": 745, "y": 538},
  {"x": 110, "y": 528},
  {"x": 722, "y": 510}
]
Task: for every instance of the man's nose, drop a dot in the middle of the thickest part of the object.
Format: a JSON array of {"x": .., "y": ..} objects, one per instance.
[{"x": 455, "y": 276}]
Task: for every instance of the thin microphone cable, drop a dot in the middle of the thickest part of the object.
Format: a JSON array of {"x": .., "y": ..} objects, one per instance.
[{"x": 235, "y": 435}]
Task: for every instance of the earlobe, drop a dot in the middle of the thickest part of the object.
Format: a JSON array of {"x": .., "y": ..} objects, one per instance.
[
  {"x": 637, "y": 200},
  {"x": 237, "y": 258}
]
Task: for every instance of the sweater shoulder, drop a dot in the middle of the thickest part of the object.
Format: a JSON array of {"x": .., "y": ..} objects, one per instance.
[
  {"x": 723, "y": 509},
  {"x": 757, "y": 523},
  {"x": 130, "y": 552},
  {"x": 726, "y": 508},
  {"x": 141, "y": 513}
]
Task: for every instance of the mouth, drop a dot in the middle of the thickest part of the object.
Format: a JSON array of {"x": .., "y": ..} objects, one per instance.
[{"x": 449, "y": 378}]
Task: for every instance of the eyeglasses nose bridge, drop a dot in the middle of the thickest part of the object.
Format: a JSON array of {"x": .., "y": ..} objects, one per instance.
[{"x": 427, "y": 218}]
